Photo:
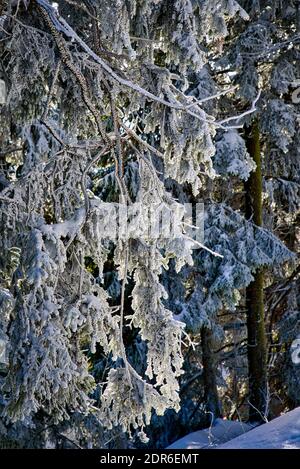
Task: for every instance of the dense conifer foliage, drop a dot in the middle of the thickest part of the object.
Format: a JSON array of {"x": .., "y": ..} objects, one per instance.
[{"x": 128, "y": 316}]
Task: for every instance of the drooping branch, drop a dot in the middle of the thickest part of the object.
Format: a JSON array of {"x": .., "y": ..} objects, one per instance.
[{"x": 58, "y": 25}]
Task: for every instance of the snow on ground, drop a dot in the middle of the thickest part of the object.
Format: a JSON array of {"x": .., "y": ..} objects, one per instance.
[
  {"x": 220, "y": 432},
  {"x": 281, "y": 433}
]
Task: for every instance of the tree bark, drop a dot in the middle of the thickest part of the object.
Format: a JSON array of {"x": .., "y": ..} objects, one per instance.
[
  {"x": 211, "y": 397},
  {"x": 257, "y": 363}
]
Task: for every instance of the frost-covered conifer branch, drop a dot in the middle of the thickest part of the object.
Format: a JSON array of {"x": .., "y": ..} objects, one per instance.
[
  {"x": 61, "y": 26},
  {"x": 109, "y": 128}
]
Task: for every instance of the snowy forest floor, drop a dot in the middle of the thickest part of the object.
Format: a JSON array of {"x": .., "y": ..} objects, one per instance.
[{"x": 280, "y": 433}]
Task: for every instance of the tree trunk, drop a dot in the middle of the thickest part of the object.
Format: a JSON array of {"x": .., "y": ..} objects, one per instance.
[
  {"x": 257, "y": 363},
  {"x": 211, "y": 398}
]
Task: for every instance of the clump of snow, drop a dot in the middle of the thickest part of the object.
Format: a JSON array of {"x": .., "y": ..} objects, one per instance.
[{"x": 281, "y": 433}]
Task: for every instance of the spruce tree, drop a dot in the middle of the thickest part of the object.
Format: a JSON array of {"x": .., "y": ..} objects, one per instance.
[{"x": 108, "y": 333}]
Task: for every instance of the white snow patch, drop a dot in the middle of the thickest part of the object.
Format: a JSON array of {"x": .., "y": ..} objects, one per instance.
[
  {"x": 281, "y": 433},
  {"x": 220, "y": 432}
]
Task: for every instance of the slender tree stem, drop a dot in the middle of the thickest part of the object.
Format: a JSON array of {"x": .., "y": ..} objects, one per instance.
[{"x": 257, "y": 365}]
